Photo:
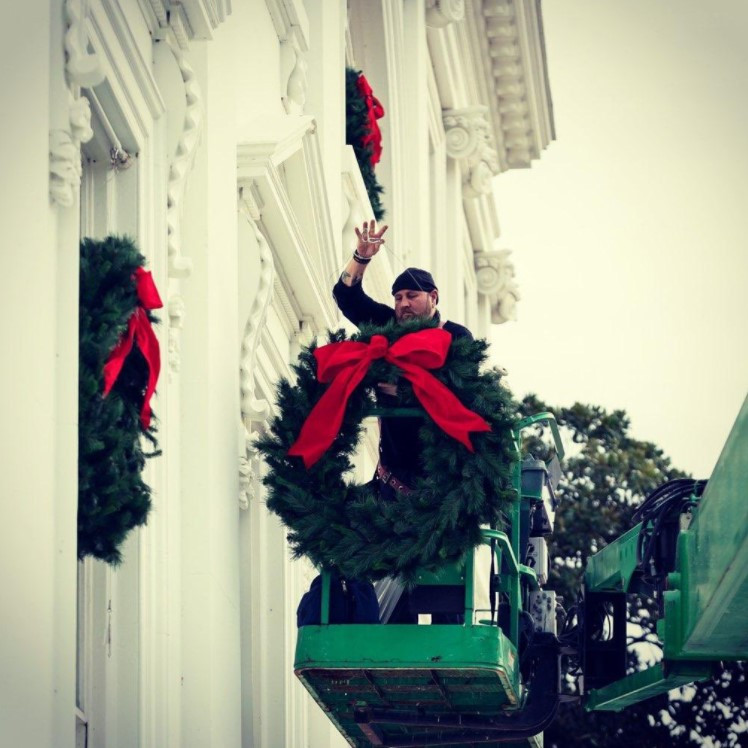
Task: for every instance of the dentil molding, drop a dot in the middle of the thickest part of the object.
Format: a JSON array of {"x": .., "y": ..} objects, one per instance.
[
  {"x": 469, "y": 139},
  {"x": 440, "y": 13},
  {"x": 494, "y": 275},
  {"x": 82, "y": 69},
  {"x": 516, "y": 58}
]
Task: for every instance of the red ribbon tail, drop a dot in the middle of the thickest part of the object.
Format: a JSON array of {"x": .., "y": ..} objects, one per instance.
[
  {"x": 444, "y": 407},
  {"x": 116, "y": 360},
  {"x": 148, "y": 344}
]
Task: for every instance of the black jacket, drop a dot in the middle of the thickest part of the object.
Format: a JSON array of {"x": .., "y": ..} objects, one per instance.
[{"x": 398, "y": 441}]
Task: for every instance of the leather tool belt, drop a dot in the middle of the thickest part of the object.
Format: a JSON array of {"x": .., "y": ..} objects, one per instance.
[{"x": 385, "y": 475}]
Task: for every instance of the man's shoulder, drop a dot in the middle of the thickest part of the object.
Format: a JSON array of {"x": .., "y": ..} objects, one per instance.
[{"x": 458, "y": 331}]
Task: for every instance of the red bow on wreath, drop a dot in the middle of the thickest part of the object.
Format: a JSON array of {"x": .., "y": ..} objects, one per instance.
[
  {"x": 375, "y": 111},
  {"x": 140, "y": 331},
  {"x": 345, "y": 364}
]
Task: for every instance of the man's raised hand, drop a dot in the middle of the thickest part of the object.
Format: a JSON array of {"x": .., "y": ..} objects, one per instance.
[{"x": 369, "y": 239}]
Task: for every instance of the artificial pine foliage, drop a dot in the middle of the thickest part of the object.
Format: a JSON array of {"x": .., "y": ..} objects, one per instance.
[
  {"x": 356, "y": 128},
  {"x": 112, "y": 496},
  {"x": 347, "y": 526}
]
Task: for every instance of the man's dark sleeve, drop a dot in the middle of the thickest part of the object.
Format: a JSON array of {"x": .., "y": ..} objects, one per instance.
[
  {"x": 458, "y": 331},
  {"x": 359, "y": 308}
]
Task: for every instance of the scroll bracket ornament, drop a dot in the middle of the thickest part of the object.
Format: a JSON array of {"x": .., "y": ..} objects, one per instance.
[
  {"x": 255, "y": 410},
  {"x": 494, "y": 274},
  {"x": 296, "y": 86},
  {"x": 469, "y": 140},
  {"x": 82, "y": 70},
  {"x": 184, "y": 158}
]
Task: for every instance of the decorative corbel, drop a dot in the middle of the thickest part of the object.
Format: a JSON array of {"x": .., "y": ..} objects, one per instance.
[
  {"x": 176, "y": 309},
  {"x": 494, "y": 274},
  {"x": 440, "y": 13},
  {"x": 184, "y": 159},
  {"x": 469, "y": 139},
  {"x": 296, "y": 85},
  {"x": 254, "y": 410},
  {"x": 82, "y": 69}
]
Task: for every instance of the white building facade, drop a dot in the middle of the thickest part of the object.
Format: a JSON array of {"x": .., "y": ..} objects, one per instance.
[{"x": 212, "y": 132}]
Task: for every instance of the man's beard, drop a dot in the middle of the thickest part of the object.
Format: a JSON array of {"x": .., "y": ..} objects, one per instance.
[{"x": 404, "y": 316}]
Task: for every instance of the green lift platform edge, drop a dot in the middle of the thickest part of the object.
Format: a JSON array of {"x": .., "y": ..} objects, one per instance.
[{"x": 459, "y": 674}]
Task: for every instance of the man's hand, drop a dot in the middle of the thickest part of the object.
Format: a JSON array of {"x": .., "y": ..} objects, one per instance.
[{"x": 369, "y": 239}]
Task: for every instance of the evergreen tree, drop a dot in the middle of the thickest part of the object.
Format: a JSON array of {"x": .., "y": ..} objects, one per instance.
[{"x": 607, "y": 475}]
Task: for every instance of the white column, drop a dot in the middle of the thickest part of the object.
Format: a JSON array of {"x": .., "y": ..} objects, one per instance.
[
  {"x": 325, "y": 99},
  {"x": 413, "y": 204},
  {"x": 38, "y": 332},
  {"x": 211, "y": 695}
]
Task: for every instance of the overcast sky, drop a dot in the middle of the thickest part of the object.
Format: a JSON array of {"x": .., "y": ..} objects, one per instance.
[{"x": 629, "y": 234}]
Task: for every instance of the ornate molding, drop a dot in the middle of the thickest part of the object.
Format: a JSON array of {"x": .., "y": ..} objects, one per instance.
[
  {"x": 82, "y": 69},
  {"x": 494, "y": 275},
  {"x": 250, "y": 464},
  {"x": 64, "y": 167},
  {"x": 290, "y": 21},
  {"x": 469, "y": 139},
  {"x": 440, "y": 13},
  {"x": 296, "y": 85},
  {"x": 516, "y": 60},
  {"x": 254, "y": 409},
  {"x": 190, "y": 19},
  {"x": 176, "y": 310},
  {"x": 184, "y": 158}
]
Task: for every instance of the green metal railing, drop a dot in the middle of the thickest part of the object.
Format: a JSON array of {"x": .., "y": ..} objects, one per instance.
[{"x": 506, "y": 547}]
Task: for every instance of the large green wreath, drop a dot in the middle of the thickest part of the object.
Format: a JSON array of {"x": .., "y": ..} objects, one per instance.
[
  {"x": 113, "y": 498},
  {"x": 347, "y": 526}
]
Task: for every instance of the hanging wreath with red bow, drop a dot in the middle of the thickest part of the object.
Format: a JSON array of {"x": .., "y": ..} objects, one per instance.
[
  {"x": 467, "y": 468},
  {"x": 362, "y": 112},
  {"x": 118, "y": 371}
]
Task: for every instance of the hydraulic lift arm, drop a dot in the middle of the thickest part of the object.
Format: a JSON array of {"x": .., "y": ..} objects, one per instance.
[{"x": 705, "y": 596}]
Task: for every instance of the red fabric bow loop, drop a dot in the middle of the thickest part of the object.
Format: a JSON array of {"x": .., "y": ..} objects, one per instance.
[
  {"x": 374, "y": 111},
  {"x": 344, "y": 365},
  {"x": 140, "y": 332}
]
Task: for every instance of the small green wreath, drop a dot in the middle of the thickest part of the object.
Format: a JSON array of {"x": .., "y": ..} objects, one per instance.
[{"x": 347, "y": 526}]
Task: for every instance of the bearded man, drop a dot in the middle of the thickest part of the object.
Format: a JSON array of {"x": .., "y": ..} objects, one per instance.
[{"x": 416, "y": 296}]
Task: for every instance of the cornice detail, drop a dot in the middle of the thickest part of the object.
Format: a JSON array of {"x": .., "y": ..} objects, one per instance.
[
  {"x": 469, "y": 139},
  {"x": 179, "y": 265},
  {"x": 190, "y": 19},
  {"x": 82, "y": 69},
  {"x": 494, "y": 275},
  {"x": 516, "y": 58},
  {"x": 440, "y": 13}
]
